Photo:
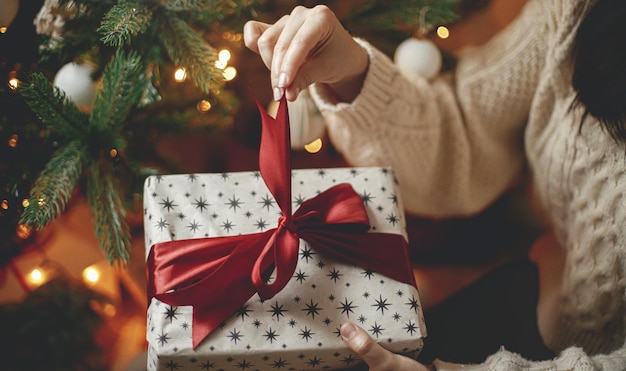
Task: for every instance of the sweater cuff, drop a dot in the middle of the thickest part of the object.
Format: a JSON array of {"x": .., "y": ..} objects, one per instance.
[
  {"x": 502, "y": 360},
  {"x": 377, "y": 87}
]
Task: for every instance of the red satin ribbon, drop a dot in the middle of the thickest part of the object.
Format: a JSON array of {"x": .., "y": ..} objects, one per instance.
[{"x": 213, "y": 274}]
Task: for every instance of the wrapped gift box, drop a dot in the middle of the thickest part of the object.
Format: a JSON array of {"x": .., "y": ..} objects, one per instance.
[{"x": 297, "y": 328}]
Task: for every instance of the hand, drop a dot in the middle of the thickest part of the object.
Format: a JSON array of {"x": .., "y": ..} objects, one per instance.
[
  {"x": 307, "y": 46},
  {"x": 376, "y": 357}
]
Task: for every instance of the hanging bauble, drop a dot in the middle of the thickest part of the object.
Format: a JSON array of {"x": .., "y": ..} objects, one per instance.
[
  {"x": 306, "y": 123},
  {"x": 8, "y": 11},
  {"x": 75, "y": 80},
  {"x": 418, "y": 56}
]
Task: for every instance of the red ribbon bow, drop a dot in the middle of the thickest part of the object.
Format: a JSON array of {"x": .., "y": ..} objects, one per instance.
[{"x": 213, "y": 274}]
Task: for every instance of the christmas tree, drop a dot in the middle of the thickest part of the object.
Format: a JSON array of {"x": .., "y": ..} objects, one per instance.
[
  {"x": 103, "y": 95},
  {"x": 82, "y": 130}
]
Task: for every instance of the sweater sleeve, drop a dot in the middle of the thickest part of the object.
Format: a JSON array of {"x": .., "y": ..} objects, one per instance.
[
  {"x": 571, "y": 359},
  {"x": 456, "y": 141}
]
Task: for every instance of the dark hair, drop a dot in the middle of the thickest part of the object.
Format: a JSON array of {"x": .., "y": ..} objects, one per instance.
[{"x": 599, "y": 77}]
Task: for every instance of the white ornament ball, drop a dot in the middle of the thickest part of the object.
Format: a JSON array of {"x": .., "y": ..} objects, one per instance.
[
  {"x": 417, "y": 56},
  {"x": 75, "y": 80},
  {"x": 8, "y": 11}
]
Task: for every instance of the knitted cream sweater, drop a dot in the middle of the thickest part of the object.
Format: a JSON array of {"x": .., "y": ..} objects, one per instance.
[{"x": 458, "y": 142}]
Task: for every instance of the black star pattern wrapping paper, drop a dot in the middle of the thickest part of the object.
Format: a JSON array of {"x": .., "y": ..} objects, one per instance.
[{"x": 298, "y": 328}]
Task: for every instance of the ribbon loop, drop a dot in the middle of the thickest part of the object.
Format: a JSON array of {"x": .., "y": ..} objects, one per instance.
[{"x": 281, "y": 254}]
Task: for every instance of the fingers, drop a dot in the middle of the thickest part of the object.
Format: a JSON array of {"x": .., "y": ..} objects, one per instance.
[
  {"x": 270, "y": 42},
  {"x": 289, "y": 42},
  {"x": 307, "y": 46},
  {"x": 252, "y": 30},
  {"x": 305, "y": 33},
  {"x": 261, "y": 38},
  {"x": 286, "y": 46}
]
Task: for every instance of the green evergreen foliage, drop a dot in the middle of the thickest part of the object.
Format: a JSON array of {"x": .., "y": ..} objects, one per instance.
[
  {"x": 55, "y": 186},
  {"x": 122, "y": 88},
  {"x": 51, "y": 105},
  {"x": 186, "y": 49},
  {"x": 123, "y": 22},
  {"x": 403, "y": 14},
  {"x": 378, "y": 15},
  {"x": 111, "y": 227},
  {"x": 90, "y": 145}
]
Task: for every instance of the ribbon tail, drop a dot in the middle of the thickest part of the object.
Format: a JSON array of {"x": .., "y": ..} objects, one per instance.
[
  {"x": 275, "y": 155},
  {"x": 206, "y": 319},
  {"x": 219, "y": 294},
  {"x": 384, "y": 253},
  {"x": 339, "y": 204}
]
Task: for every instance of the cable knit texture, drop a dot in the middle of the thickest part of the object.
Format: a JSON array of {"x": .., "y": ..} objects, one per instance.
[{"x": 458, "y": 142}]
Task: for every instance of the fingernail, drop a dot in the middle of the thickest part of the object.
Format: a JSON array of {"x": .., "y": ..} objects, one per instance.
[
  {"x": 278, "y": 93},
  {"x": 282, "y": 80},
  {"x": 348, "y": 330}
]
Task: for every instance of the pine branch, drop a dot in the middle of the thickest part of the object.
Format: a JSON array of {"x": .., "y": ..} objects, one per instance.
[
  {"x": 121, "y": 90},
  {"x": 124, "y": 21},
  {"x": 187, "y": 49},
  {"x": 54, "y": 108},
  {"x": 79, "y": 36},
  {"x": 218, "y": 8},
  {"x": 112, "y": 230},
  {"x": 385, "y": 15},
  {"x": 190, "y": 5},
  {"x": 54, "y": 187}
]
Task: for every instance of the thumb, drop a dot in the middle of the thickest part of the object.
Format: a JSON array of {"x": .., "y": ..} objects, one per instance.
[
  {"x": 359, "y": 341},
  {"x": 252, "y": 30},
  {"x": 372, "y": 353}
]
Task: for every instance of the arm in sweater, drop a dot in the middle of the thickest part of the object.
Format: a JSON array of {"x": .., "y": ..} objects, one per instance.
[{"x": 456, "y": 141}]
